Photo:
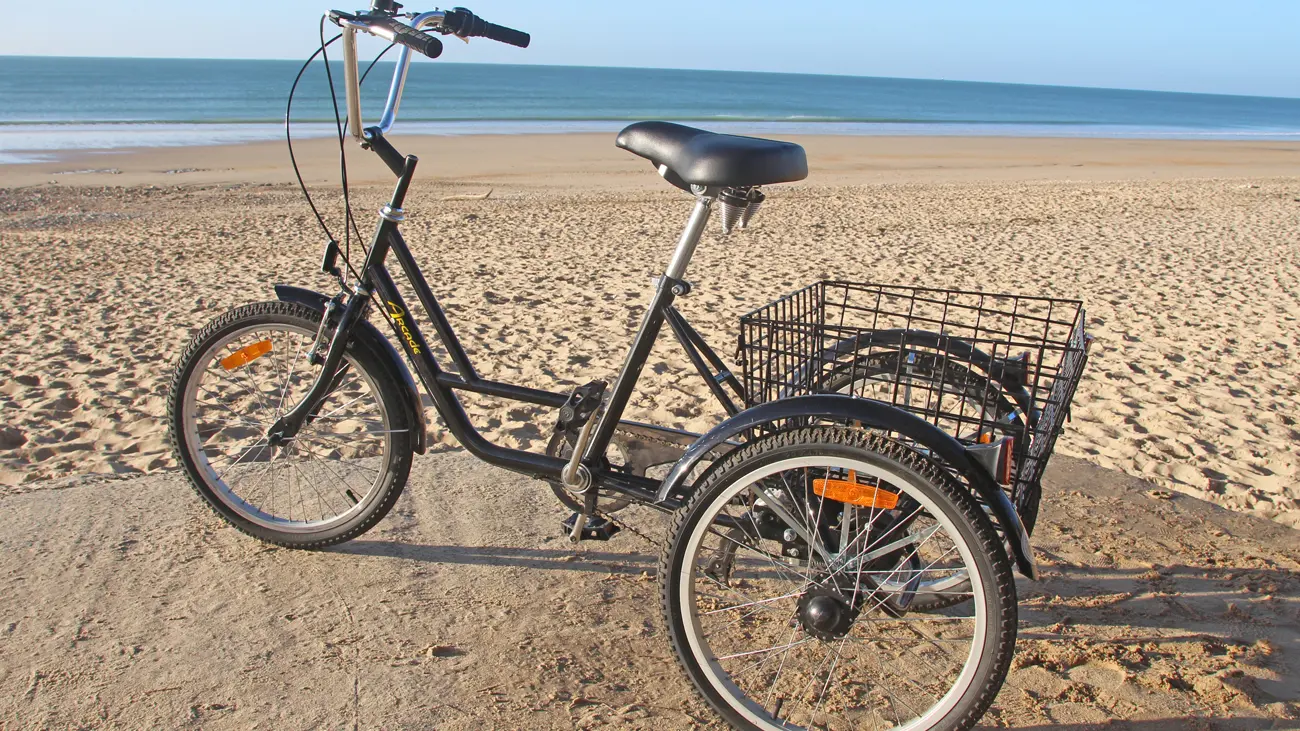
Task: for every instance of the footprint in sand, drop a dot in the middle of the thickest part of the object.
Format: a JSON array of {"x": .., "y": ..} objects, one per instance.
[{"x": 12, "y": 438}]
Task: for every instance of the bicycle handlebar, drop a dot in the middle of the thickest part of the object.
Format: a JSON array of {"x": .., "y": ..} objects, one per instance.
[
  {"x": 394, "y": 30},
  {"x": 383, "y": 22}
]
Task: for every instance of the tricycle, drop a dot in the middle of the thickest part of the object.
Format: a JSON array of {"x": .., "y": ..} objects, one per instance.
[{"x": 841, "y": 546}]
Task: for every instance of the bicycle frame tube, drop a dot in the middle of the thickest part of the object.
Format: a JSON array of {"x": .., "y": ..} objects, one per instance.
[{"x": 377, "y": 282}]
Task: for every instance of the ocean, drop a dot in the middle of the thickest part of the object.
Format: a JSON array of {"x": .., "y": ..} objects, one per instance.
[{"x": 50, "y": 104}]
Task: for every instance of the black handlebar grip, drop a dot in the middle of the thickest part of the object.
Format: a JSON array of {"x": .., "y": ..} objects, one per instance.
[
  {"x": 468, "y": 25},
  {"x": 502, "y": 34},
  {"x": 398, "y": 32}
]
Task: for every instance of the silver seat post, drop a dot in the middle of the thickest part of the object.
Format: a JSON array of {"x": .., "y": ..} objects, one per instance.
[{"x": 690, "y": 236}]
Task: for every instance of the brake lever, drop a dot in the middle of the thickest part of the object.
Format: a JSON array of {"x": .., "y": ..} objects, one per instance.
[{"x": 338, "y": 16}]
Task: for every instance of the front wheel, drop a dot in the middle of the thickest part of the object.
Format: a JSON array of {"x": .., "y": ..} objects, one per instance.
[
  {"x": 333, "y": 480},
  {"x": 788, "y": 609}
]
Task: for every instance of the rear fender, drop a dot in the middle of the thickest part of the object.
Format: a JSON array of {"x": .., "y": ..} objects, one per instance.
[
  {"x": 369, "y": 337},
  {"x": 876, "y": 415}
]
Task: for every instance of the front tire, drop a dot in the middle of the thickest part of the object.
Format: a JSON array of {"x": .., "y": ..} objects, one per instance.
[
  {"x": 821, "y": 640},
  {"x": 337, "y": 478}
]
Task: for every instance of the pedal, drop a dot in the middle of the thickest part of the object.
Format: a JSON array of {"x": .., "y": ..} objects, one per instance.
[
  {"x": 597, "y": 528},
  {"x": 582, "y": 403}
]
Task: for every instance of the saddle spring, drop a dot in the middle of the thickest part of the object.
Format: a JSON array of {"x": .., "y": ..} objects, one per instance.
[{"x": 739, "y": 206}]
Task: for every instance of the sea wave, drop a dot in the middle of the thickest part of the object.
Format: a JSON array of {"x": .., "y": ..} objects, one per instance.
[
  {"x": 801, "y": 119},
  {"x": 21, "y": 143}
]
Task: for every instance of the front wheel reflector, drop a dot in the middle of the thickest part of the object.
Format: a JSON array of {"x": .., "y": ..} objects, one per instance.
[
  {"x": 849, "y": 491},
  {"x": 246, "y": 355}
]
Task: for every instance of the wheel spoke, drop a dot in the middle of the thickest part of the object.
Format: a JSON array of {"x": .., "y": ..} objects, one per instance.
[
  {"x": 754, "y": 603},
  {"x": 284, "y": 388}
]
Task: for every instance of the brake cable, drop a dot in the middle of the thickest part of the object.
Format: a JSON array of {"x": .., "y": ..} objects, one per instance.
[{"x": 349, "y": 219}]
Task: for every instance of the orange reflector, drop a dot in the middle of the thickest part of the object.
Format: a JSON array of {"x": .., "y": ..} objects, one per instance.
[
  {"x": 1004, "y": 460},
  {"x": 246, "y": 355},
  {"x": 849, "y": 491}
]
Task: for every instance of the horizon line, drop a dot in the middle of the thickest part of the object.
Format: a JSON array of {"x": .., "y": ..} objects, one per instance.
[{"x": 677, "y": 68}]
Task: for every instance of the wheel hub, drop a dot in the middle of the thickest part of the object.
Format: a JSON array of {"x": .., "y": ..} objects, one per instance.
[{"x": 825, "y": 614}]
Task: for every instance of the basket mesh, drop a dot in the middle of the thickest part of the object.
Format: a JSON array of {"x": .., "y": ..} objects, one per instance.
[{"x": 978, "y": 365}]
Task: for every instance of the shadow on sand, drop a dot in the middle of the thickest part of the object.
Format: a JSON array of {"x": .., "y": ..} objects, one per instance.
[{"x": 528, "y": 558}]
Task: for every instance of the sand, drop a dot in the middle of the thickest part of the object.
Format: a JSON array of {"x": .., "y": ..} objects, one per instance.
[
  {"x": 126, "y": 604},
  {"x": 1185, "y": 254}
]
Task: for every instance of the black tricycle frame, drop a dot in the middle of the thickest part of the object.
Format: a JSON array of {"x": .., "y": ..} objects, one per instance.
[
  {"x": 442, "y": 384},
  {"x": 666, "y": 495}
]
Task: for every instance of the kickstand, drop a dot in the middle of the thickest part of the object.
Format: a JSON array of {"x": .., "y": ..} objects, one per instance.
[{"x": 576, "y": 525}]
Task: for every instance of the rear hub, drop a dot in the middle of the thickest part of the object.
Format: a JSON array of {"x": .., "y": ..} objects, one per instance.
[{"x": 825, "y": 614}]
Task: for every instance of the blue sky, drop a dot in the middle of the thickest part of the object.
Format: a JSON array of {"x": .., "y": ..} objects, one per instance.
[{"x": 1237, "y": 47}]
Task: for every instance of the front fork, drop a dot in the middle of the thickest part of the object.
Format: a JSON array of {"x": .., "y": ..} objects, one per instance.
[
  {"x": 287, "y": 426},
  {"x": 333, "y": 370}
]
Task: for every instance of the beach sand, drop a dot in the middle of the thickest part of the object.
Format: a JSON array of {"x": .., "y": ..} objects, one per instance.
[
  {"x": 126, "y": 604},
  {"x": 129, "y": 605},
  {"x": 1185, "y": 254}
]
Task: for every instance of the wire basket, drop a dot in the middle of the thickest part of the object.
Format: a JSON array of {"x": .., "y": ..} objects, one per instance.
[{"x": 983, "y": 367}]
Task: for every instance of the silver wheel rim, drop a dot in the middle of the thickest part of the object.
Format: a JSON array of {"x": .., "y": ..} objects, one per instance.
[
  {"x": 721, "y": 680},
  {"x": 327, "y": 476}
]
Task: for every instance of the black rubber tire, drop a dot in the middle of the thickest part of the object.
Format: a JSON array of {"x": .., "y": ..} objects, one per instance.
[
  {"x": 845, "y": 373},
  {"x": 390, "y": 392},
  {"x": 979, "y": 533}
]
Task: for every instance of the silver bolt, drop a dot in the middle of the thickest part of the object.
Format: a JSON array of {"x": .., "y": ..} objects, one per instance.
[
  {"x": 792, "y": 551},
  {"x": 789, "y": 535}
]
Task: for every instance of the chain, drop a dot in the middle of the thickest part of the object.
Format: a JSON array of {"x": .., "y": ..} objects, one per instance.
[{"x": 625, "y": 526}]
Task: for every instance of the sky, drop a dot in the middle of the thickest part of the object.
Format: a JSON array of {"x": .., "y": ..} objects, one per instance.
[{"x": 1227, "y": 47}]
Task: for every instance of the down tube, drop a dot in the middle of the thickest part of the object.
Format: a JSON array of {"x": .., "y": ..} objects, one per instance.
[
  {"x": 444, "y": 399},
  {"x": 431, "y": 306}
]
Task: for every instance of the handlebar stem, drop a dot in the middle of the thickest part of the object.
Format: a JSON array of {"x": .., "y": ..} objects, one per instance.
[{"x": 352, "y": 81}]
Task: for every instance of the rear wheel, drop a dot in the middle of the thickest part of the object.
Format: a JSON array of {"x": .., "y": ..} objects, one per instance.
[
  {"x": 332, "y": 481},
  {"x": 787, "y": 611}
]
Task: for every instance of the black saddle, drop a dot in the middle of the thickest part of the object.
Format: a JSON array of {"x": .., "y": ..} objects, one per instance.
[{"x": 698, "y": 157}]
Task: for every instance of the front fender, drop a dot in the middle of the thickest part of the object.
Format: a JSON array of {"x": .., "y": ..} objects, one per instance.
[
  {"x": 368, "y": 336},
  {"x": 877, "y": 415}
]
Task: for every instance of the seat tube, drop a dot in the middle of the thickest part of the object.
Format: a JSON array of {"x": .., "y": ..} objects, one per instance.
[{"x": 650, "y": 326}]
